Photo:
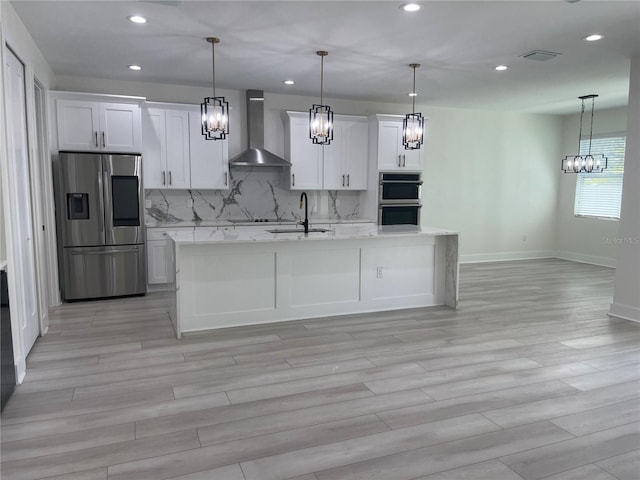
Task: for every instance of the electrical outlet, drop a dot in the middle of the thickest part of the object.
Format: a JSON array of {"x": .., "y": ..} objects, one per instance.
[
  {"x": 379, "y": 272},
  {"x": 189, "y": 202},
  {"x": 147, "y": 203}
]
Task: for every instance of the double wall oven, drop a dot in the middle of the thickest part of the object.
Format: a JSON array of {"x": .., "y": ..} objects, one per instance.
[{"x": 399, "y": 198}]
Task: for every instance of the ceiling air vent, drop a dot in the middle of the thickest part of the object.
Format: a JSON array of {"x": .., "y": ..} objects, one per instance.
[{"x": 540, "y": 55}]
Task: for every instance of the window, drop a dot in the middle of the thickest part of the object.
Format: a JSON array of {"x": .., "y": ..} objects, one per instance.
[{"x": 599, "y": 194}]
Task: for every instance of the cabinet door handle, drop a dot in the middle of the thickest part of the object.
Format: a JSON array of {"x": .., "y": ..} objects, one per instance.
[
  {"x": 293, "y": 179},
  {"x": 103, "y": 143},
  {"x": 404, "y": 160},
  {"x": 399, "y": 160},
  {"x": 96, "y": 137},
  {"x": 163, "y": 178},
  {"x": 343, "y": 180},
  {"x": 170, "y": 180},
  {"x": 347, "y": 179},
  {"x": 225, "y": 178}
]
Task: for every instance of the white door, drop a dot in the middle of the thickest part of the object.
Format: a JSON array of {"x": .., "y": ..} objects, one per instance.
[
  {"x": 78, "y": 125},
  {"x": 209, "y": 158},
  {"x": 389, "y": 141},
  {"x": 178, "y": 165},
  {"x": 306, "y": 157},
  {"x": 20, "y": 193},
  {"x": 335, "y": 177},
  {"x": 154, "y": 148},
  {"x": 120, "y": 128},
  {"x": 356, "y": 155}
]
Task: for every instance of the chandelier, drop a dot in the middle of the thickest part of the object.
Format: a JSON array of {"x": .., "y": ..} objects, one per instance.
[
  {"x": 413, "y": 124},
  {"x": 589, "y": 163},
  {"x": 320, "y": 115},
  {"x": 215, "y": 110}
]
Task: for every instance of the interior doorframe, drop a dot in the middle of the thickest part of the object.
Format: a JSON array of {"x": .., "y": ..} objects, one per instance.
[
  {"x": 41, "y": 196},
  {"x": 10, "y": 203}
]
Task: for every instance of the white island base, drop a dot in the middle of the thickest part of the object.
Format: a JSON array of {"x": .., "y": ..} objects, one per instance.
[{"x": 228, "y": 278}]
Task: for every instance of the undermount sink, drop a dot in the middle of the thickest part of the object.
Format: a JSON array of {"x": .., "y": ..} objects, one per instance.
[{"x": 298, "y": 230}]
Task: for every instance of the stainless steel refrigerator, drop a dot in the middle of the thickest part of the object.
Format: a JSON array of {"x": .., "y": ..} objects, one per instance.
[{"x": 100, "y": 225}]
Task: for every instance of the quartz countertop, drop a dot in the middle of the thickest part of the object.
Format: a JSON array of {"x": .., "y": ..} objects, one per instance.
[
  {"x": 337, "y": 232},
  {"x": 251, "y": 223}
]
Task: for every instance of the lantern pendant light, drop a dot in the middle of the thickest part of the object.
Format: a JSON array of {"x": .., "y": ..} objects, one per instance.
[
  {"x": 320, "y": 115},
  {"x": 589, "y": 163},
  {"x": 215, "y": 110},
  {"x": 413, "y": 124}
]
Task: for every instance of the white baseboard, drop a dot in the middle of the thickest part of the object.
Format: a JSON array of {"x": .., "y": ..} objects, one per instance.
[
  {"x": 505, "y": 256},
  {"x": 582, "y": 258},
  {"x": 626, "y": 312}
]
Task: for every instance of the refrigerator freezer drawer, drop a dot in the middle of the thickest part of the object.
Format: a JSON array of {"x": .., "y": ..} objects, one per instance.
[{"x": 96, "y": 272}]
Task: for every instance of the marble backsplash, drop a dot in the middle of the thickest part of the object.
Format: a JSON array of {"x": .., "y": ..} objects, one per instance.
[{"x": 255, "y": 193}]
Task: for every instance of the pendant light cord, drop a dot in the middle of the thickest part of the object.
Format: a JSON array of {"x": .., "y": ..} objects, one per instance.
[
  {"x": 414, "y": 90},
  {"x": 580, "y": 134},
  {"x": 213, "y": 56},
  {"x": 591, "y": 130},
  {"x": 321, "y": 77}
]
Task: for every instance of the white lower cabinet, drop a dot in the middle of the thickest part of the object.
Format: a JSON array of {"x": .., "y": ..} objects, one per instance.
[{"x": 160, "y": 255}]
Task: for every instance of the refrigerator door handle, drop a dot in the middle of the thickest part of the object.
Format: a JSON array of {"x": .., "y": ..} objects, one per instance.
[
  {"x": 101, "y": 188},
  {"x": 106, "y": 207},
  {"x": 104, "y": 252}
]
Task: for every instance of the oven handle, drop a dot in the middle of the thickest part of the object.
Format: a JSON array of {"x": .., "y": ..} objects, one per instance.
[
  {"x": 383, "y": 205},
  {"x": 415, "y": 182}
]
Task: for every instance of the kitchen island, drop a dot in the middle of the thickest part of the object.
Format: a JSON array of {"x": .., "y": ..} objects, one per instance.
[{"x": 228, "y": 277}]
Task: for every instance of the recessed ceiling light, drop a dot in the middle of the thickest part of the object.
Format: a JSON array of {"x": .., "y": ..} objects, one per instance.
[
  {"x": 410, "y": 7},
  {"x": 288, "y": 82},
  {"x": 137, "y": 19},
  {"x": 501, "y": 68},
  {"x": 135, "y": 67},
  {"x": 412, "y": 94},
  {"x": 594, "y": 37}
]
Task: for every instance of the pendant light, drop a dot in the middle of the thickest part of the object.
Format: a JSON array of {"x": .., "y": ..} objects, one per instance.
[
  {"x": 413, "y": 124},
  {"x": 320, "y": 115},
  {"x": 589, "y": 163},
  {"x": 215, "y": 110}
]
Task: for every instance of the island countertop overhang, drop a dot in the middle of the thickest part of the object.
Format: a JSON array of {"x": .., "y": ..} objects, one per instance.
[{"x": 337, "y": 232}]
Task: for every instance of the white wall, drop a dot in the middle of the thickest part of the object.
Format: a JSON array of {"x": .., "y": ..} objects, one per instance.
[
  {"x": 579, "y": 238},
  {"x": 626, "y": 293},
  {"x": 16, "y": 36},
  {"x": 3, "y": 247},
  {"x": 491, "y": 175}
]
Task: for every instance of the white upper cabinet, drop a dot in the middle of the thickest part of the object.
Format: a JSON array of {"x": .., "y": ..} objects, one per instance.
[
  {"x": 175, "y": 153},
  {"x": 165, "y": 152},
  {"x": 304, "y": 155},
  {"x": 209, "y": 158},
  {"x": 386, "y": 140},
  {"x": 341, "y": 165},
  {"x": 96, "y": 126},
  {"x": 346, "y": 158}
]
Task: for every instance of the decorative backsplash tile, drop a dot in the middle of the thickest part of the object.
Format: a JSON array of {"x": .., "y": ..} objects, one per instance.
[{"x": 255, "y": 193}]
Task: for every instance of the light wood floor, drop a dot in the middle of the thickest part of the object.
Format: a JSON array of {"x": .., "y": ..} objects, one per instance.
[{"x": 529, "y": 379}]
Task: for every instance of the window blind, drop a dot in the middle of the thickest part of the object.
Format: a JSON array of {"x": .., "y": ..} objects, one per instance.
[{"x": 599, "y": 194}]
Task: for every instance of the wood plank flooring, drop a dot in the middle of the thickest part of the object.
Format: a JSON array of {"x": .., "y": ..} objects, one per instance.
[{"x": 529, "y": 379}]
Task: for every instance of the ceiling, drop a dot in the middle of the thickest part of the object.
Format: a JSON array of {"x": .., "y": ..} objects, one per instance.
[{"x": 370, "y": 45}]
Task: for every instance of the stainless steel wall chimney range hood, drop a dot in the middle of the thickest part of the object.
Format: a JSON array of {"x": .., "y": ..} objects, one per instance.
[{"x": 256, "y": 155}]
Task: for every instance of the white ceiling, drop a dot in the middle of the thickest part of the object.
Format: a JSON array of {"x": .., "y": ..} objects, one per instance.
[{"x": 370, "y": 45}]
